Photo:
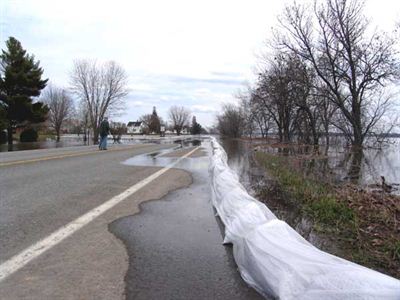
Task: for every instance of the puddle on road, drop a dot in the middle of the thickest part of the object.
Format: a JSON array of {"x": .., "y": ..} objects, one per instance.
[
  {"x": 175, "y": 243},
  {"x": 157, "y": 159}
]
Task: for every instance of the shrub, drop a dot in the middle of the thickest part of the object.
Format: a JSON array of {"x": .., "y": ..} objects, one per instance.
[{"x": 28, "y": 135}]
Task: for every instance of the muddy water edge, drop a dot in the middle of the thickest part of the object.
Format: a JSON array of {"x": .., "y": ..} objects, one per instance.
[{"x": 363, "y": 239}]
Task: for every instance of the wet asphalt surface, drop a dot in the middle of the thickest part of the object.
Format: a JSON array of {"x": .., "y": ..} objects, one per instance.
[
  {"x": 38, "y": 198},
  {"x": 175, "y": 244}
]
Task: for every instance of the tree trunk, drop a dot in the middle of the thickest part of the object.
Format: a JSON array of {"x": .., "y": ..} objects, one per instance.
[
  {"x": 95, "y": 136},
  {"x": 358, "y": 139},
  {"x": 10, "y": 138},
  {"x": 286, "y": 135},
  {"x": 314, "y": 131},
  {"x": 355, "y": 166},
  {"x": 315, "y": 135},
  {"x": 327, "y": 138},
  {"x": 262, "y": 132},
  {"x": 58, "y": 135},
  {"x": 327, "y": 141}
]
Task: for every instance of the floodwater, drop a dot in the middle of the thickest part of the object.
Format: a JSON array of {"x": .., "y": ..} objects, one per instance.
[
  {"x": 175, "y": 244},
  {"x": 75, "y": 140},
  {"x": 68, "y": 141},
  {"x": 254, "y": 179},
  {"x": 339, "y": 164}
]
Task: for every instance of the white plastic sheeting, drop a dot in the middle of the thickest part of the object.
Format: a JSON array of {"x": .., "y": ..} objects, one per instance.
[{"x": 275, "y": 260}]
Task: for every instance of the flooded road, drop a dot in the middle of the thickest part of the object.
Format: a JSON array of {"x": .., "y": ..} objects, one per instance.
[{"x": 175, "y": 243}]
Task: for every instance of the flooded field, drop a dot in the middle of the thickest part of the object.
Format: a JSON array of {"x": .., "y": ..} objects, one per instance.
[
  {"x": 339, "y": 164},
  {"x": 255, "y": 180},
  {"x": 75, "y": 140},
  {"x": 334, "y": 199},
  {"x": 68, "y": 141}
]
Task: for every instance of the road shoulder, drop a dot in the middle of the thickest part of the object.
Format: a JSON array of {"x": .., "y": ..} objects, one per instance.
[{"x": 92, "y": 263}]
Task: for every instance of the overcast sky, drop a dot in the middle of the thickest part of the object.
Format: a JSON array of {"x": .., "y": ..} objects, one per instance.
[{"x": 191, "y": 53}]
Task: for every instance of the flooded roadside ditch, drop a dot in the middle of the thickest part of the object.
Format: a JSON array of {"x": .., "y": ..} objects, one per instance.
[{"x": 370, "y": 226}]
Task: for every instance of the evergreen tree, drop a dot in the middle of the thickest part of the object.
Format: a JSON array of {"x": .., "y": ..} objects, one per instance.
[
  {"x": 3, "y": 125},
  {"x": 155, "y": 122},
  {"x": 196, "y": 127},
  {"x": 20, "y": 80}
]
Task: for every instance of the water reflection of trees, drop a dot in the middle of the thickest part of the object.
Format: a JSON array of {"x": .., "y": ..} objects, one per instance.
[
  {"x": 340, "y": 164},
  {"x": 354, "y": 168},
  {"x": 237, "y": 153},
  {"x": 336, "y": 164}
]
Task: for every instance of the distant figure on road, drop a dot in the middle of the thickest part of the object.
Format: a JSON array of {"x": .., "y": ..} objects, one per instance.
[{"x": 104, "y": 131}]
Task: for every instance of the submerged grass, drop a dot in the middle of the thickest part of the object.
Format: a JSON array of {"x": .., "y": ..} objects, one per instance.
[{"x": 317, "y": 199}]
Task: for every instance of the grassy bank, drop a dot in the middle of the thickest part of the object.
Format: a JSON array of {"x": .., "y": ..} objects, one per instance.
[{"x": 363, "y": 226}]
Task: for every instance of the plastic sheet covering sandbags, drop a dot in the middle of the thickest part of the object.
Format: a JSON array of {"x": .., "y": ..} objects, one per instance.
[{"x": 278, "y": 262}]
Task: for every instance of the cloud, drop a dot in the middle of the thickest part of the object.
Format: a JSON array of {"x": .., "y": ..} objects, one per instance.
[
  {"x": 202, "y": 81},
  {"x": 176, "y": 52},
  {"x": 203, "y": 108},
  {"x": 138, "y": 103}
]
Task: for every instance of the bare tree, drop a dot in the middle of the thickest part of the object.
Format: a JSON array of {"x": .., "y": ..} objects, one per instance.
[
  {"x": 307, "y": 101},
  {"x": 83, "y": 116},
  {"x": 352, "y": 65},
  {"x": 146, "y": 119},
  {"x": 60, "y": 105},
  {"x": 274, "y": 94},
  {"x": 179, "y": 117},
  {"x": 101, "y": 87},
  {"x": 230, "y": 122},
  {"x": 327, "y": 110},
  {"x": 249, "y": 114}
]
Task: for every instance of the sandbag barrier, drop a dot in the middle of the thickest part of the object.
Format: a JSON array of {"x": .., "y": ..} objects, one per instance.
[{"x": 277, "y": 261}]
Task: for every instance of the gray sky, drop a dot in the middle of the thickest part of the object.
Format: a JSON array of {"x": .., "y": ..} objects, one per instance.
[{"x": 176, "y": 52}]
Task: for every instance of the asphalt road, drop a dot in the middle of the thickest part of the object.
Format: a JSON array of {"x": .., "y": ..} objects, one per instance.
[
  {"x": 43, "y": 190},
  {"x": 175, "y": 244}
]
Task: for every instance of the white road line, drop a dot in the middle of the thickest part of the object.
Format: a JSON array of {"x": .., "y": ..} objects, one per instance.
[{"x": 19, "y": 260}]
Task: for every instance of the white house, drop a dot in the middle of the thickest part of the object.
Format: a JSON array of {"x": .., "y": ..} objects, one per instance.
[
  {"x": 185, "y": 130},
  {"x": 135, "y": 127}
]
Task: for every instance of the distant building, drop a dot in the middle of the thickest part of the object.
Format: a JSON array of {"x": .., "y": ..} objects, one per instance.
[
  {"x": 135, "y": 127},
  {"x": 185, "y": 130}
]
